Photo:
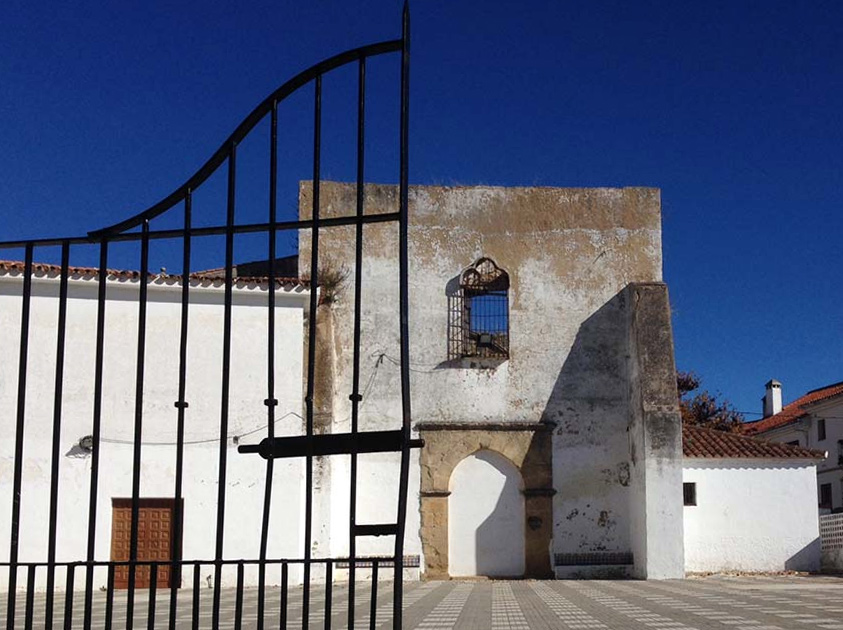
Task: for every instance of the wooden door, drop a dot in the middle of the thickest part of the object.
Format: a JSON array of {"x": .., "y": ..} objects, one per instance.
[{"x": 155, "y": 540}]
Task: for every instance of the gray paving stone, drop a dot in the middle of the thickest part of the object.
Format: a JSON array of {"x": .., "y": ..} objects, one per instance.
[{"x": 764, "y": 603}]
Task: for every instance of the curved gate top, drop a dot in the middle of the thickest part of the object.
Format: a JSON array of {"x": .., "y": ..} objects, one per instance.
[{"x": 144, "y": 520}]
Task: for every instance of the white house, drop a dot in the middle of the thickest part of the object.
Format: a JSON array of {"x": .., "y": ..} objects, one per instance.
[
  {"x": 247, "y": 423},
  {"x": 814, "y": 420},
  {"x": 749, "y": 504}
]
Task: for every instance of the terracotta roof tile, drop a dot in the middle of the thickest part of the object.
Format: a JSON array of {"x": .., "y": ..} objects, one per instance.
[
  {"x": 42, "y": 270},
  {"x": 793, "y": 411},
  {"x": 697, "y": 442}
]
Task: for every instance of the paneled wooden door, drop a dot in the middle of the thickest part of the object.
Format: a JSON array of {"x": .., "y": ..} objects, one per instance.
[{"x": 155, "y": 540}]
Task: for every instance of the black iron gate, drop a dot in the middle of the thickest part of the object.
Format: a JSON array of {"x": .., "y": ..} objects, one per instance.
[{"x": 22, "y": 603}]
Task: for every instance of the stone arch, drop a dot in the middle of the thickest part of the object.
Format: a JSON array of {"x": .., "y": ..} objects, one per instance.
[
  {"x": 526, "y": 446},
  {"x": 486, "y": 517}
]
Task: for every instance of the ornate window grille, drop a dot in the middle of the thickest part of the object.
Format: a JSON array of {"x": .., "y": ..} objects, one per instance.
[{"x": 478, "y": 317}]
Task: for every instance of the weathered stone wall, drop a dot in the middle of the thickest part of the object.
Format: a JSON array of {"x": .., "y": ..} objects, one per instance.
[
  {"x": 569, "y": 254},
  {"x": 655, "y": 437}
]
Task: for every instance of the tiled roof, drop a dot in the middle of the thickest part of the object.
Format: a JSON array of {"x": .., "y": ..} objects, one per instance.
[
  {"x": 42, "y": 270},
  {"x": 697, "y": 442},
  {"x": 793, "y": 411}
]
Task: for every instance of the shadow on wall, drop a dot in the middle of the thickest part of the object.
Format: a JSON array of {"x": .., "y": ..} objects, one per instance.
[
  {"x": 486, "y": 517},
  {"x": 504, "y": 526},
  {"x": 589, "y": 405},
  {"x": 806, "y": 559}
]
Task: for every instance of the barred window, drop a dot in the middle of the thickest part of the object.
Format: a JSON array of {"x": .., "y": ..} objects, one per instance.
[{"x": 478, "y": 318}]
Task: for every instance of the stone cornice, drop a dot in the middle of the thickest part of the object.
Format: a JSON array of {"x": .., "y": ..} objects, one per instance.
[{"x": 485, "y": 426}]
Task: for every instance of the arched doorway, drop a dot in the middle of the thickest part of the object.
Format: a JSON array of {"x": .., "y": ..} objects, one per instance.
[{"x": 486, "y": 517}]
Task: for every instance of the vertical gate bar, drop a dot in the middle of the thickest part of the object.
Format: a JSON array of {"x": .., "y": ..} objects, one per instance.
[
  {"x": 54, "y": 461},
  {"x": 358, "y": 279},
  {"x": 102, "y": 279},
  {"x": 311, "y": 346},
  {"x": 261, "y": 594},
  {"x": 373, "y": 604},
  {"x": 226, "y": 372},
  {"x": 68, "y": 598},
  {"x": 30, "y": 592},
  {"x": 329, "y": 592},
  {"x": 282, "y": 622},
  {"x": 138, "y": 433},
  {"x": 153, "y": 587},
  {"x": 195, "y": 603},
  {"x": 21, "y": 416},
  {"x": 181, "y": 405},
  {"x": 109, "y": 597},
  {"x": 271, "y": 402},
  {"x": 238, "y": 602},
  {"x": 403, "y": 266}
]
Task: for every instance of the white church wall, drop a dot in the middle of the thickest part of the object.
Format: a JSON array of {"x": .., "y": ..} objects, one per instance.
[
  {"x": 569, "y": 254},
  {"x": 752, "y": 515},
  {"x": 247, "y": 418}
]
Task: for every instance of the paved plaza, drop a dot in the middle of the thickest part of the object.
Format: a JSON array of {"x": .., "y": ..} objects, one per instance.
[{"x": 737, "y": 603}]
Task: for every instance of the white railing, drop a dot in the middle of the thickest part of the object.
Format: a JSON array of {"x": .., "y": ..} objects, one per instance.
[{"x": 831, "y": 531}]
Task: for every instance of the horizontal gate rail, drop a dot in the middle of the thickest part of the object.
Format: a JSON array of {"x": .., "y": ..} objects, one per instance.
[
  {"x": 218, "y": 230},
  {"x": 194, "y": 561},
  {"x": 331, "y": 444}
]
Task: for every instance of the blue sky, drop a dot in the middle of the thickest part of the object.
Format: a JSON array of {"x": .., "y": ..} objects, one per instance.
[{"x": 733, "y": 109}]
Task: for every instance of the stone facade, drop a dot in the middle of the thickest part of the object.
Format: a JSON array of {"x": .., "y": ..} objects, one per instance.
[{"x": 583, "y": 402}]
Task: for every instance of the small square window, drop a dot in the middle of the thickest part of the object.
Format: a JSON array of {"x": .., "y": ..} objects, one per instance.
[
  {"x": 821, "y": 429},
  {"x": 689, "y": 491}
]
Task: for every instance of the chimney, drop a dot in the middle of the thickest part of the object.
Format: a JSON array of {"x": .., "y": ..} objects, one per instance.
[{"x": 772, "y": 401}]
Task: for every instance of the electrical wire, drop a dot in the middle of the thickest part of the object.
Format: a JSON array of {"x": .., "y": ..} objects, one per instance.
[
  {"x": 205, "y": 441},
  {"x": 397, "y": 362},
  {"x": 367, "y": 389},
  {"x": 379, "y": 357},
  {"x": 756, "y": 413}
]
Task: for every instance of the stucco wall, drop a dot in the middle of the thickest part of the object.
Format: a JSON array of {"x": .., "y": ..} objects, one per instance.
[
  {"x": 655, "y": 437},
  {"x": 569, "y": 254},
  {"x": 806, "y": 432},
  {"x": 245, "y": 473},
  {"x": 752, "y": 515}
]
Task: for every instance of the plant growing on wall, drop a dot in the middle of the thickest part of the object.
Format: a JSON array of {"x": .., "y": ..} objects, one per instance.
[
  {"x": 702, "y": 408},
  {"x": 330, "y": 280}
]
